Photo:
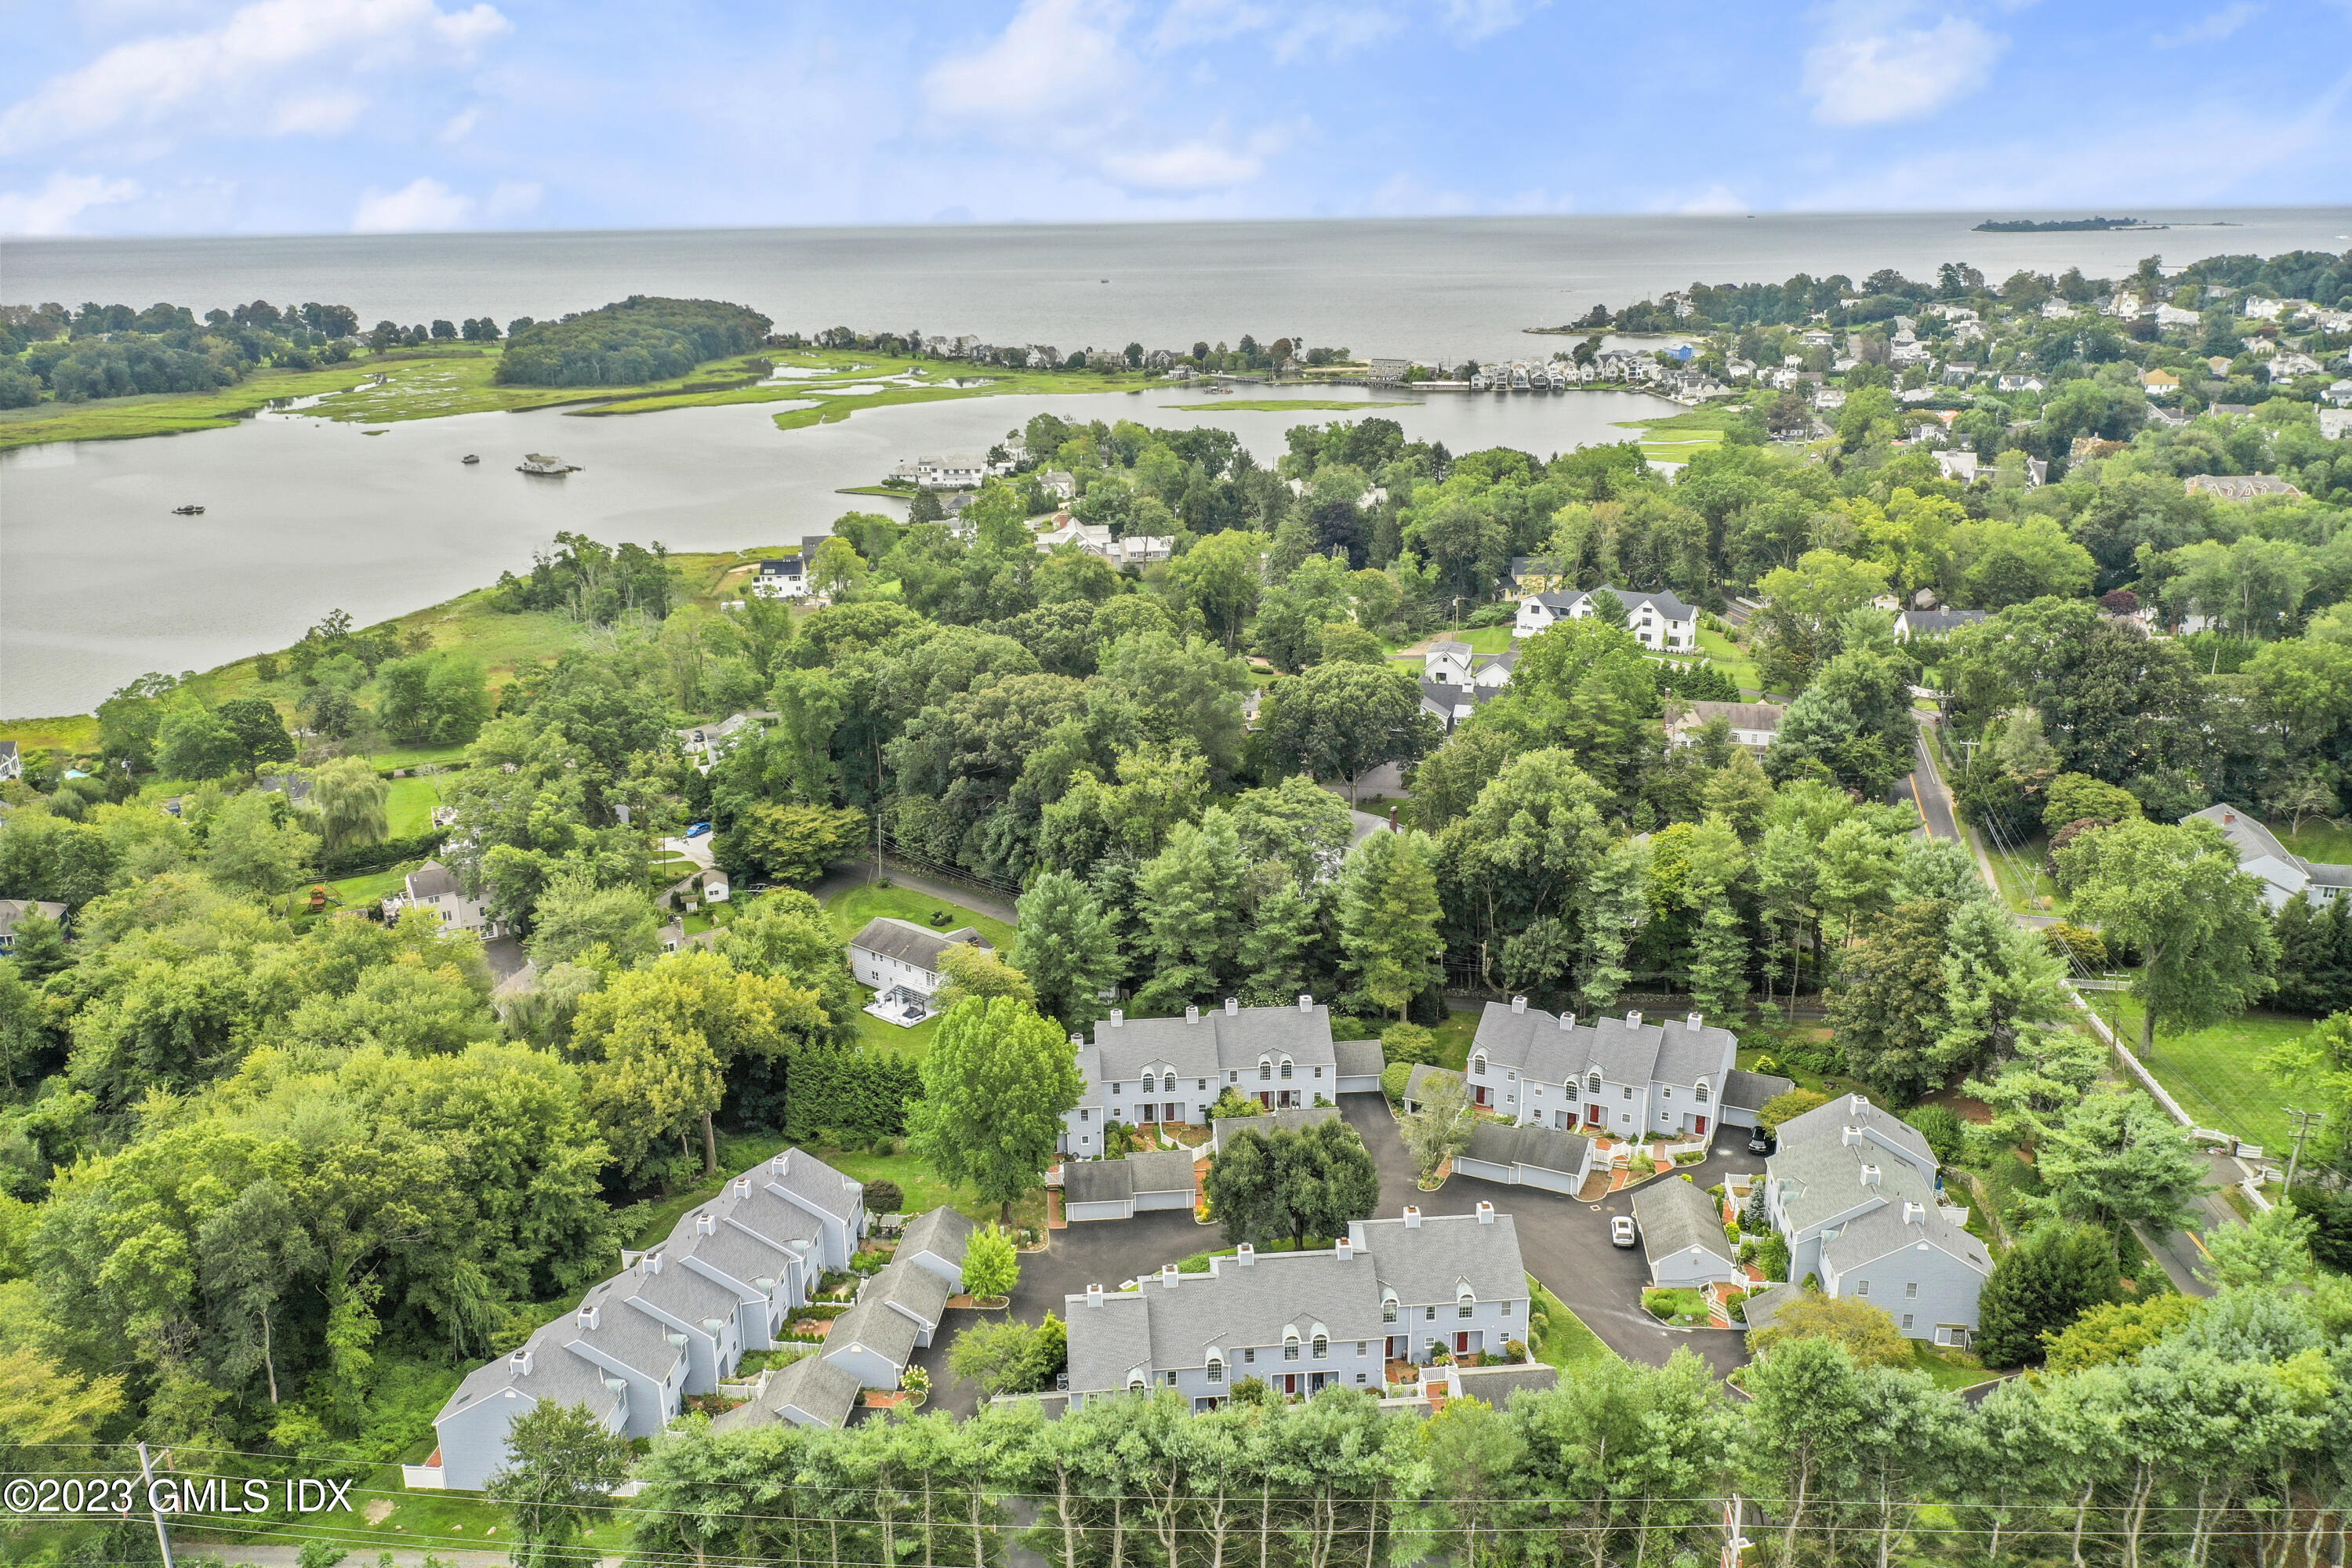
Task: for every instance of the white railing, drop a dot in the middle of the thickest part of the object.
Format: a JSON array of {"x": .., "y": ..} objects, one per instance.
[{"x": 423, "y": 1478}]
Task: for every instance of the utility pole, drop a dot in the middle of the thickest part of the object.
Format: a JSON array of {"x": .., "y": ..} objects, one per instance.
[
  {"x": 147, "y": 1482},
  {"x": 2305, "y": 1123}
]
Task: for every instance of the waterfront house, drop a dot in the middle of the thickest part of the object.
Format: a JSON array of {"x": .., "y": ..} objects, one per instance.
[
  {"x": 675, "y": 1321},
  {"x": 1628, "y": 1076},
  {"x": 1393, "y": 1290},
  {"x": 1657, "y": 620},
  {"x": 905, "y": 964},
  {"x": 1857, "y": 1193}
]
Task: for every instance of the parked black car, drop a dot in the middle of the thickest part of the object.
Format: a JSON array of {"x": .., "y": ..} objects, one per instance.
[{"x": 1759, "y": 1142}]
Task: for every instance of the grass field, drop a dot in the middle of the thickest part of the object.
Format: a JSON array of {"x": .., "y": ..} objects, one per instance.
[
  {"x": 1728, "y": 656},
  {"x": 1276, "y": 405},
  {"x": 358, "y": 893},
  {"x": 2328, "y": 842},
  {"x": 408, "y": 810},
  {"x": 170, "y": 412},
  {"x": 2217, "y": 1075},
  {"x": 1567, "y": 1345},
  {"x": 852, "y": 910},
  {"x": 1950, "y": 1369}
]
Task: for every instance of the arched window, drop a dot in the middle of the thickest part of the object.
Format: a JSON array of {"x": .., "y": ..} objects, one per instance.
[
  {"x": 1286, "y": 1069},
  {"x": 1464, "y": 1303},
  {"x": 1291, "y": 1344},
  {"x": 1135, "y": 1382},
  {"x": 1322, "y": 1346},
  {"x": 1265, "y": 1070},
  {"x": 1593, "y": 1082},
  {"x": 1478, "y": 1064},
  {"x": 1216, "y": 1367},
  {"x": 1702, "y": 1094},
  {"x": 1388, "y": 1307}
]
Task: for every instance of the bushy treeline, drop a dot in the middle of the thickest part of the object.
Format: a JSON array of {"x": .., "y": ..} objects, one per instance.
[
  {"x": 2213, "y": 1432},
  {"x": 112, "y": 350},
  {"x": 640, "y": 339}
]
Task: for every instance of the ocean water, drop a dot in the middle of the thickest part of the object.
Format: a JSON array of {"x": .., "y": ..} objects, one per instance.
[{"x": 99, "y": 583}]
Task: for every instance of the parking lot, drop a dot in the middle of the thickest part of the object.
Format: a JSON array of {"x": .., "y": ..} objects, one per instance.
[{"x": 1564, "y": 1244}]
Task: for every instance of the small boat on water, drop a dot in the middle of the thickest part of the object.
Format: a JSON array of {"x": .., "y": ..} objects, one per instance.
[
  {"x": 540, "y": 463},
  {"x": 191, "y": 510},
  {"x": 470, "y": 458}
]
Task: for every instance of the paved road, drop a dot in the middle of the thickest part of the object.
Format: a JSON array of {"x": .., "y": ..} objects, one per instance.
[
  {"x": 1924, "y": 790},
  {"x": 1565, "y": 1242}
]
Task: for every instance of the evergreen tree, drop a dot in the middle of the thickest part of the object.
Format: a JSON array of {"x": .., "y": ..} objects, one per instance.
[
  {"x": 1719, "y": 976},
  {"x": 2304, "y": 949},
  {"x": 1188, "y": 896},
  {"x": 1284, "y": 932},
  {"x": 1389, "y": 915},
  {"x": 1886, "y": 1007},
  {"x": 1613, "y": 914},
  {"x": 2047, "y": 1280},
  {"x": 2000, "y": 985},
  {"x": 1068, "y": 948}
]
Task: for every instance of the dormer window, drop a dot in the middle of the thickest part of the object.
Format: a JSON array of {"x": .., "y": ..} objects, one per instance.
[
  {"x": 1285, "y": 1069},
  {"x": 1323, "y": 1346},
  {"x": 1265, "y": 1070},
  {"x": 1388, "y": 1308},
  {"x": 1290, "y": 1345},
  {"x": 1701, "y": 1092},
  {"x": 1216, "y": 1367},
  {"x": 1464, "y": 1303},
  {"x": 1478, "y": 1064},
  {"x": 1594, "y": 1083}
]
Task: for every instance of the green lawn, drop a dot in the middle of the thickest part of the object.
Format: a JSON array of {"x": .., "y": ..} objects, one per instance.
[
  {"x": 2216, "y": 1074},
  {"x": 1567, "y": 1345},
  {"x": 408, "y": 810},
  {"x": 2325, "y": 842},
  {"x": 2025, "y": 884},
  {"x": 1727, "y": 658},
  {"x": 416, "y": 757},
  {"x": 358, "y": 893},
  {"x": 890, "y": 1041},
  {"x": 852, "y": 910},
  {"x": 1950, "y": 1369}
]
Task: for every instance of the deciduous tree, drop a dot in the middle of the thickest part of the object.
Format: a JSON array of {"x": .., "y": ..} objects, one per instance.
[{"x": 997, "y": 1081}]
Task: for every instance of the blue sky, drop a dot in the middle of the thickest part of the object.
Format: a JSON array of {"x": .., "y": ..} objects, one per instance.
[{"x": 330, "y": 116}]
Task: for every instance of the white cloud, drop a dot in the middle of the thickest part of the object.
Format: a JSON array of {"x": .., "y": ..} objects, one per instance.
[
  {"x": 321, "y": 114},
  {"x": 1716, "y": 201},
  {"x": 1471, "y": 20},
  {"x": 230, "y": 71},
  {"x": 1192, "y": 166},
  {"x": 52, "y": 209},
  {"x": 2212, "y": 29},
  {"x": 1054, "y": 57},
  {"x": 460, "y": 126},
  {"x": 423, "y": 204},
  {"x": 1872, "y": 75},
  {"x": 1208, "y": 22}
]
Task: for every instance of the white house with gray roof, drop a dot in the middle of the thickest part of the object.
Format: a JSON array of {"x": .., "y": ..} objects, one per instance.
[
  {"x": 1683, "y": 1237},
  {"x": 1139, "y": 1072},
  {"x": 434, "y": 887},
  {"x": 905, "y": 964},
  {"x": 1656, "y": 620},
  {"x": 1626, "y": 1077},
  {"x": 1857, "y": 1192},
  {"x": 810, "y": 1391},
  {"x": 2282, "y": 872},
  {"x": 939, "y": 1241},
  {"x": 1390, "y": 1290},
  {"x": 897, "y": 1313},
  {"x": 676, "y": 1321}
]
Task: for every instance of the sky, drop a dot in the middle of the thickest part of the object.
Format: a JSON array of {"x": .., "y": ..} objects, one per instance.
[{"x": 136, "y": 117}]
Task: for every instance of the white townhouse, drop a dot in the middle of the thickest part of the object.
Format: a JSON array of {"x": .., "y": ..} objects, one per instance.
[
  {"x": 1139, "y": 1072},
  {"x": 2282, "y": 872},
  {"x": 1627, "y": 1078},
  {"x": 1389, "y": 1291},
  {"x": 1858, "y": 1193},
  {"x": 1656, "y": 620},
  {"x": 676, "y": 1321}
]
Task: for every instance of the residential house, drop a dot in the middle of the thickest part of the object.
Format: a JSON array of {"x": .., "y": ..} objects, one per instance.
[
  {"x": 12, "y": 762},
  {"x": 1446, "y": 663},
  {"x": 705, "y": 745},
  {"x": 434, "y": 887},
  {"x": 939, "y": 1241},
  {"x": 1626, "y": 1077},
  {"x": 1755, "y": 725},
  {"x": 1121, "y": 1189},
  {"x": 904, "y": 963},
  {"x": 1857, "y": 1192},
  {"x": 1958, "y": 465},
  {"x": 676, "y": 1321},
  {"x": 810, "y": 1391},
  {"x": 2173, "y": 316},
  {"x": 2290, "y": 362},
  {"x": 897, "y": 1312},
  {"x": 1389, "y": 1291},
  {"x": 1060, "y": 483},
  {"x": 2239, "y": 487},
  {"x": 1143, "y": 1071},
  {"x": 1683, "y": 1235},
  {"x": 2159, "y": 382},
  {"x": 2335, "y": 423},
  {"x": 2014, "y": 382},
  {"x": 1934, "y": 623},
  {"x": 1829, "y": 399},
  {"x": 15, "y": 909},
  {"x": 1656, "y": 620},
  {"x": 784, "y": 577},
  {"x": 2339, "y": 392},
  {"x": 2282, "y": 872}
]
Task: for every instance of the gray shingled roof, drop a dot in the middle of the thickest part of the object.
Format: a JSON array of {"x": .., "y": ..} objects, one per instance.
[
  {"x": 1763, "y": 1306},
  {"x": 1821, "y": 1178},
  {"x": 433, "y": 880},
  {"x": 807, "y": 1176},
  {"x": 1215, "y": 1043},
  {"x": 944, "y": 1231},
  {"x": 1667, "y": 1050},
  {"x": 1358, "y": 1058},
  {"x": 1497, "y": 1384},
  {"x": 1111, "y": 1181},
  {"x": 738, "y": 1254},
  {"x": 810, "y": 1383},
  {"x": 1830, "y": 1121},
  {"x": 1884, "y": 1231},
  {"x": 1745, "y": 1090},
  {"x": 910, "y": 943},
  {"x": 1738, "y": 715},
  {"x": 908, "y": 1284},
  {"x": 1536, "y": 1147},
  {"x": 1675, "y": 1216},
  {"x": 1427, "y": 1263},
  {"x": 1114, "y": 1337},
  {"x": 876, "y": 1326}
]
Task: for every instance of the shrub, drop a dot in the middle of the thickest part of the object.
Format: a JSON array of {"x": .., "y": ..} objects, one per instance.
[
  {"x": 916, "y": 1381},
  {"x": 1393, "y": 1080},
  {"x": 1787, "y": 1107},
  {"x": 1772, "y": 1252},
  {"x": 1409, "y": 1043},
  {"x": 2087, "y": 948},
  {"x": 884, "y": 1197},
  {"x": 1941, "y": 1126},
  {"x": 1514, "y": 1350}
]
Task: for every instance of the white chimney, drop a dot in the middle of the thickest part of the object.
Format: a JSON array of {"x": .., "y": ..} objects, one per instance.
[
  {"x": 705, "y": 1223},
  {"x": 1914, "y": 1213},
  {"x": 1853, "y": 1137},
  {"x": 1168, "y": 1276},
  {"x": 1567, "y": 1020},
  {"x": 1486, "y": 1213},
  {"x": 588, "y": 1316},
  {"x": 1246, "y": 1255},
  {"x": 1633, "y": 1019},
  {"x": 1412, "y": 1217},
  {"x": 520, "y": 1361},
  {"x": 1343, "y": 1249},
  {"x": 1518, "y": 1004},
  {"x": 1870, "y": 1175},
  {"x": 1077, "y": 1040},
  {"x": 1192, "y": 1015},
  {"x": 1306, "y": 1002},
  {"x": 1856, "y": 1104},
  {"x": 1694, "y": 1020},
  {"x": 650, "y": 1263},
  {"x": 1117, "y": 1016},
  {"x": 781, "y": 1163},
  {"x": 1094, "y": 1295},
  {"x": 742, "y": 1186},
  {"x": 1233, "y": 1006}
]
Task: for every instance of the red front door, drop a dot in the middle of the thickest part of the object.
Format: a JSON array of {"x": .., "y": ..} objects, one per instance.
[
  {"x": 1483, "y": 1094},
  {"x": 1594, "y": 1116},
  {"x": 1698, "y": 1125},
  {"x": 1462, "y": 1344},
  {"x": 1396, "y": 1347}
]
